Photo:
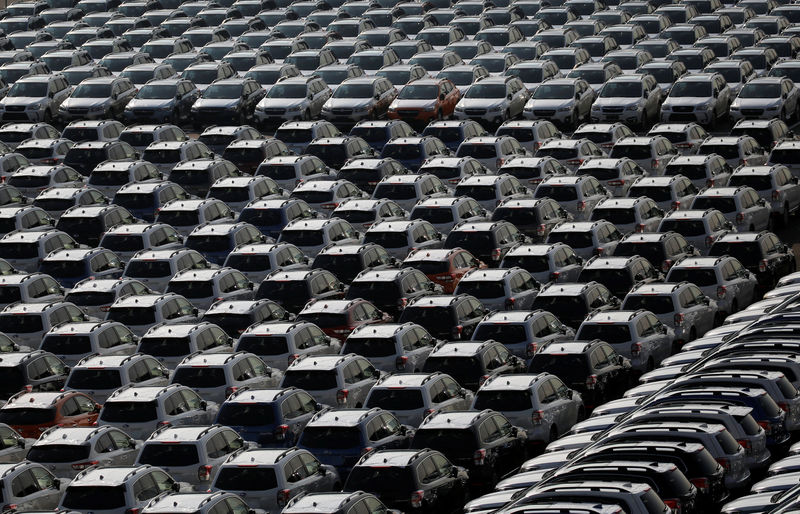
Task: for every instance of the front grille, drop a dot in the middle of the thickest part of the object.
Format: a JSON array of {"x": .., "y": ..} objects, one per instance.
[
  {"x": 752, "y": 112},
  {"x": 15, "y": 116},
  {"x": 682, "y": 117},
  {"x": 274, "y": 112},
  {"x": 407, "y": 114},
  {"x": 342, "y": 112},
  {"x": 475, "y": 112},
  {"x": 612, "y": 109},
  {"x": 538, "y": 112},
  {"x": 15, "y": 108},
  {"x": 682, "y": 108},
  {"x": 78, "y": 111}
]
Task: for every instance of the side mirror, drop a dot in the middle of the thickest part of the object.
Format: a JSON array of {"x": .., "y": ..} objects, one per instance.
[
  {"x": 577, "y": 96},
  {"x": 340, "y": 287},
  {"x": 510, "y": 96},
  {"x": 716, "y": 94},
  {"x": 441, "y": 97},
  {"x": 21, "y": 443},
  {"x": 318, "y": 406},
  {"x": 176, "y": 487},
  {"x": 454, "y": 472},
  {"x": 462, "y": 392},
  {"x": 377, "y": 97},
  {"x": 620, "y": 360},
  {"x": 57, "y": 483},
  {"x": 203, "y": 405},
  {"x": 322, "y": 470},
  {"x": 195, "y": 311},
  {"x": 97, "y": 407}
]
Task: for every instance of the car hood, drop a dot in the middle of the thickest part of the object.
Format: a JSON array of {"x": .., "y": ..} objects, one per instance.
[
  {"x": 616, "y": 101},
  {"x": 348, "y": 103},
  {"x": 216, "y": 103},
  {"x": 549, "y": 104},
  {"x": 84, "y": 102},
  {"x": 480, "y": 103},
  {"x": 149, "y": 103},
  {"x": 21, "y": 100},
  {"x": 686, "y": 101},
  {"x": 412, "y": 104},
  {"x": 269, "y": 103},
  {"x": 756, "y": 103}
]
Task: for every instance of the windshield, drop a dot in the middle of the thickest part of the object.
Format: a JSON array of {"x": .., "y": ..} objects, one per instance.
[
  {"x": 287, "y": 91},
  {"x": 503, "y": 401},
  {"x": 610, "y": 333},
  {"x": 334, "y": 438},
  {"x": 91, "y": 91},
  {"x": 354, "y": 91},
  {"x": 486, "y": 91},
  {"x": 691, "y": 89},
  {"x": 246, "y": 414},
  {"x": 28, "y": 89},
  {"x": 657, "y": 304},
  {"x": 97, "y": 497},
  {"x": 722, "y": 204},
  {"x": 314, "y": 380},
  {"x": 624, "y": 89},
  {"x": 419, "y": 92},
  {"x": 395, "y": 399},
  {"x": 169, "y": 455},
  {"x": 756, "y": 90}
]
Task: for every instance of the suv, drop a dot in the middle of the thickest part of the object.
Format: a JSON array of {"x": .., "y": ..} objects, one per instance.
[
  {"x": 629, "y": 214},
  {"x": 552, "y": 262},
  {"x": 279, "y": 344},
  {"x": 97, "y": 98},
  {"x": 484, "y": 442},
  {"x": 100, "y": 375},
  {"x": 357, "y": 431},
  {"x": 127, "y": 240},
  {"x": 740, "y": 205},
  {"x": 335, "y": 503},
  {"x": 69, "y": 450},
  {"x": 410, "y": 479},
  {"x": 271, "y": 418},
  {"x": 341, "y": 380},
  {"x": 681, "y": 306},
  {"x": 340, "y": 317},
  {"x": 139, "y": 410},
  {"x": 39, "y": 369},
  {"x": 296, "y": 287},
  {"x": 669, "y": 192},
  {"x": 578, "y": 195},
  {"x": 29, "y": 287},
  {"x": 69, "y": 267},
  {"x": 522, "y": 332},
  {"x": 391, "y": 290},
  {"x": 445, "y": 317},
  {"x": 493, "y": 100},
  {"x": 154, "y": 268},
  {"x": 762, "y": 253},
  {"x": 500, "y": 289},
  {"x": 541, "y": 404},
  {"x": 774, "y": 184},
  {"x": 488, "y": 241},
  {"x": 443, "y": 267},
  {"x": 312, "y": 235},
  {"x": 572, "y": 302},
  {"x": 699, "y": 227},
  {"x": 704, "y": 98},
  {"x": 212, "y": 445},
  {"x": 347, "y": 261},
  {"x": 293, "y": 98},
  {"x": 87, "y": 224},
  {"x": 736, "y": 150},
  {"x": 71, "y": 342},
  {"x": 473, "y": 362},
  {"x": 407, "y": 190},
  {"x": 638, "y": 335},
  {"x": 724, "y": 277},
  {"x": 26, "y": 323},
  {"x": 293, "y": 472},
  {"x": 35, "y": 98},
  {"x": 24, "y": 251},
  {"x": 619, "y": 274},
  {"x": 593, "y": 368},
  {"x": 117, "y": 488},
  {"x": 217, "y": 375},
  {"x": 204, "y": 287},
  {"x": 141, "y": 312},
  {"x": 587, "y": 238},
  {"x": 30, "y": 414},
  {"x": 391, "y": 347}
]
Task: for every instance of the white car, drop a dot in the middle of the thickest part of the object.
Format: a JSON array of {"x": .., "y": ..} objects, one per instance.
[
  {"x": 295, "y": 98},
  {"x": 632, "y": 99},
  {"x": 566, "y": 101},
  {"x": 767, "y": 98},
  {"x": 493, "y": 100}
]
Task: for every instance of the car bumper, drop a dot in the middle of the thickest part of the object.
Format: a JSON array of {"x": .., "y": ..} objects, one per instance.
[
  {"x": 702, "y": 117},
  {"x": 622, "y": 116},
  {"x": 80, "y": 115},
  {"x": 146, "y": 116},
  {"x": 275, "y": 119},
  {"x": 25, "y": 115},
  {"x": 412, "y": 115},
  {"x": 753, "y": 114},
  {"x": 555, "y": 116},
  {"x": 486, "y": 116}
]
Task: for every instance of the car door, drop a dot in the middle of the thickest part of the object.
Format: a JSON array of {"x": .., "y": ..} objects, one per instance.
[
  {"x": 434, "y": 475},
  {"x": 34, "y": 490}
]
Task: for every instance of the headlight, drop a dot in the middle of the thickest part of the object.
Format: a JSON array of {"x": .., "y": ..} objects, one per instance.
[
  {"x": 296, "y": 108},
  {"x": 707, "y": 105},
  {"x": 666, "y": 107},
  {"x": 734, "y": 107},
  {"x": 431, "y": 107},
  {"x": 460, "y": 109},
  {"x": 595, "y": 107},
  {"x": 634, "y": 107},
  {"x": 567, "y": 108},
  {"x": 36, "y": 106},
  {"x": 495, "y": 108},
  {"x": 773, "y": 108}
]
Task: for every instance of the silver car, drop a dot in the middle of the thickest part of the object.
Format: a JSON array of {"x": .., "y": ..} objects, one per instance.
[
  {"x": 37, "y": 96},
  {"x": 541, "y": 404},
  {"x": 500, "y": 289},
  {"x": 577, "y": 195},
  {"x": 550, "y": 262},
  {"x": 616, "y": 175},
  {"x": 564, "y": 101},
  {"x": 493, "y": 100},
  {"x": 214, "y": 376},
  {"x": 669, "y": 193},
  {"x": 632, "y": 99},
  {"x": 391, "y": 347},
  {"x": 652, "y": 153},
  {"x": 337, "y": 380},
  {"x": 700, "y": 97},
  {"x": 629, "y": 214},
  {"x": 723, "y": 278},
  {"x": 295, "y": 98},
  {"x": 774, "y": 184},
  {"x": 767, "y": 98},
  {"x": 740, "y": 205}
]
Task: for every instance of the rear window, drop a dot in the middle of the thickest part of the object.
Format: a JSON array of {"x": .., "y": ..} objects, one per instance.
[
  {"x": 749, "y": 425},
  {"x": 699, "y": 277},
  {"x": 370, "y": 347},
  {"x": 67, "y": 344},
  {"x": 310, "y": 379},
  {"x": 165, "y": 346},
  {"x": 246, "y": 479},
  {"x": 58, "y": 452},
  {"x": 169, "y": 454},
  {"x": 503, "y": 401},
  {"x": 199, "y": 377},
  {"x": 657, "y": 304},
  {"x": 85, "y": 498},
  {"x": 477, "y": 151},
  {"x": 635, "y": 152},
  {"x": 610, "y": 333},
  {"x": 559, "y": 193},
  {"x": 396, "y": 399},
  {"x": 129, "y": 412},
  {"x": 246, "y": 414},
  {"x": 94, "y": 379},
  {"x": 263, "y": 345},
  {"x": 334, "y": 438},
  {"x": 504, "y": 333},
  {"x": 653, "y": 503}
]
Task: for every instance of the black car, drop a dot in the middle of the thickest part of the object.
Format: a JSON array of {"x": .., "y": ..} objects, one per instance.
[
  {"x": 348, "y": 261},
  {"x": 84, "y": 157},
  {"x": 445, "y": 316},
  {"x": 418, "y": 480},
  {"x": 293, "y": 289},
  {"x": 594, "y": 368},
  {"x": 489, "y": 241},
  {"x": 473, "y": 362},
  {"x": 485, "y": 443},
  {"x": 229, "y": 101},
  {"x": 619, "y": 274},
  {"x": 572, "y": 302},
  {"x": 762, "y": 253},
  {"x": 234, "y": 316},
  {"x": 391, "y": 290},
  {"x": 662, "y": 249}
]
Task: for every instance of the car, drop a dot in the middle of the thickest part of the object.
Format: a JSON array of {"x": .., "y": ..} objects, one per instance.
[
  {"x": 413, "y": 103},
  {"x": 453, "y": 132},
  {"x": 30, "y": 218},
  {"x": 379, "y": 132},
  {"x": 347, "y": 261},
  {"x": 650, "y": 152},
  {"x": 614, "y": 102},
  {"x": 593, "y": 368},
  {"x": 33, "y": 180},
  {"x": 336, "y": 151},
  {"x": 141, "y": 312},
  {"x": 564, "y": 101},
  {"x": 706, "y": 170},
  {"x": 340, "y": 317},
  {"x": 740, "y": 205},
  {"x": 109, "y": 176},
  {"x": 703, "y": 98},
  {"x": 334, "y": 503},
  {"x": 572, "y": 302},
  {"x": 619, "y": 274},
  {"x": 681, "y": 306},
  {"x": 359, "y": 98},
  {"x": 617, "y": 174},
  {"x": 586, "y": 238},
  {"x": 171, "y": 156},
  {"x": 45, "y": 92},
  {"x": 571, "y": 153},
  {"x": 50, "y": 408},
  {"x": 700, "y": 228},
  {"x": 69, "y": 267},
  {"x": 97, "y": 98},
  {"x": 23, "y": 250},
  {"x": 165, "y": 100},
  {"x": 766, "y": 97},
  {"x": 762, "y": 253},
  {"x": 215, "y": 240},
  {"x": 774, "y": 184},
  {"x": 309, "y": 94},
  {"x": 629, "y": 214},
  {"x": 26, "y": 323},
  {"x": 341, "y": 380},
  {"x": 674, "y": 192},
  {"x": 488, "y": 102},
  {"x": 407, "y": 189}
]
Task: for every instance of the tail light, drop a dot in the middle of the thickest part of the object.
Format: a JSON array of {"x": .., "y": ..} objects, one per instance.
[
  {"x": 283, "y": 497},
  {"x": 684, "y": 145},
  {"x": 675, "y": 205},
  {"x": 725, "y": 463},
  {"x": 443, "y": 278},
  {"x": 537, "y": 417},
  {"x": 281, "y": 431},
  {"x": 762, "y": 266},
  {"x": 531, "y": 349},
  {"x": 709, "y": 183},
  {"x": 457, "y": 330},
  {"x": 400, "y": 362},
  {"x": 540, "y": 230},
  {"x": 767, "y": 426},
  {"x": 230, "y": 390},
  {"x": 591, "y": 381},
  {"x": 483, "y": 379},
  {"x": 654, "y": 163},
  {"x": 636, "y": 349},
  {"x": 745, "y": 443},
  {"x": 678, "y": 318},
  {"x": 83, "y": 465},
  {"x": 479, "y": 457},
  {"x": 581, "y": 206},
  {"x": 366, "y": 450},
  {"x": 416, "y": 499},
  {"x": 784, "y": 406},
  {"x": 740, "y": 218},
  {"x": 554, "y": 276},
  {"x": 332, "y": 205},
  {"x": 51, "y": 160},
  {"x": 574, "y": 162},
  {"x": 132, "y": 511},
  {"x": 666, "y": 265},
  {"x": 341, "y": 396},
  {"x": 452, "y": 180},
  {"x": 204, "y": 473},
  {"x": 709, "y": 241},
  {"x": 616, "y": 182},
  {"x": 673, "y": 504},
  {"x": 510, "y": 303},
  {"x": 701, "y": 484},
  {"x": 742, "y": 162},
  {"x": 293, "y": 357},
  {"x": 721, "y": 290},
  {"x": 776, "y": 195},
  {"x": 599, "y": 251},
  {"x": 496, "y": 254},
  {"x": 105, "y": 308},
  {"x": 343, "y": 331},
  {"x": 402, "y": 302},
  {"x": 640, "y": 228}
]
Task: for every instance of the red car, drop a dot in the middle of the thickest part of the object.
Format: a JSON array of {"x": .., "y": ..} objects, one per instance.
[
  {"x": 338, "y": 318},
  {"x": 424, "y": 100},
  {"x": 30, "y": 414},
  {"x": 444, "y": 267}
]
